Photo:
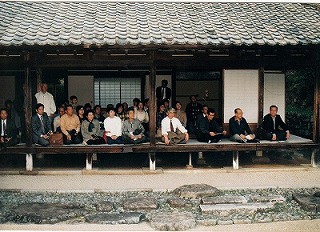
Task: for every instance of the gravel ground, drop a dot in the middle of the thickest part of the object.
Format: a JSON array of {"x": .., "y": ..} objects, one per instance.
[{"x": 86, "y": 204}]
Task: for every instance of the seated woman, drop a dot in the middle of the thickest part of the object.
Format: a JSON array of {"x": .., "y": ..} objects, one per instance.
[
  {"x": 142, "y": 116},
  {"x": 90, "y": 129},
  {"x": 80, "y": 112},
  {"x": 113, "y": 126},
  {"x": 120, "y": 112},
  {"x": 132, "y": 129},
  {"x": 180, "y": 114}
]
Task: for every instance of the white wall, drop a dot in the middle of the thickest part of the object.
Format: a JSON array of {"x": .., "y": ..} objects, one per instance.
[
  {"x": 241, "y": 89},
  {"x": 82, "y": 87},
  {"x": 274, "y": 92},
  {"x": 7, "y": 89}
]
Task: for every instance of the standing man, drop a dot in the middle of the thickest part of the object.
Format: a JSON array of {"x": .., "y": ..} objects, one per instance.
[
  {"x": 193, "y": 110},
  {"x": 239, "y": 128},
  {"x": 74, "y": 103},
  {"x": 46, "y": 99},
  {"x": 41, "y": 127},
  {"x": 209, "y": 131},
  {"x": 163, "y": 92},
  {"x": 8, "y": 130},
  {"x": 172, "y": 130},
  {"x": 70, "y": 127},
  {"x": 273, "y": 128}
]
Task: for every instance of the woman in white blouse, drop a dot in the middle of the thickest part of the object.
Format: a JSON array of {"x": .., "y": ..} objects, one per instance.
[{"x": 142, "y": 116}]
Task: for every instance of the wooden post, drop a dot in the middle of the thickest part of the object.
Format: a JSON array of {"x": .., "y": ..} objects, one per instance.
[
  {"x": 89, "y": 161},
  {"x": 28, "y": 99},
  {"x": 261, "y": 95},
  {"x": 152, "y": 161},
  {"x": 190, "y": 161},
  {"x": 152, "y": 103},
  {"x": 316, "y": 106},
  {"x": 235, "y": 160},
  {"x": 39, "y": 79},
  {"x": 29, "y": 162},
  {"x": 314, "y": 158}
]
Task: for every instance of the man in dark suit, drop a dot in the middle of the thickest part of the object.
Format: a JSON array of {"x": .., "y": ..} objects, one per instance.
[
  {"x": 41, "y": 126},
  {"x": 163, "y": 92},
  {"x": 273, "y": 128},
  {"x": 8, "y": 130},
  {"x": 209, "y": 131}
]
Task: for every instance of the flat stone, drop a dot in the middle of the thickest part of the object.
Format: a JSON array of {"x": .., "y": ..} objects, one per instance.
[
  {"x": 177, "y": 202},
  {"x": 45, "y": 213},
  {"x": 227, "y": 209},
  {"x": 242, "y": 221},
  {"x": 271, "y": 198},
  {"x": 115, "y": 218},
  {"x": 172, "y": 221},
  {"x": 105, "y": 206},
  {"x": 194, "y": 191},
  {"x": 207, "y": 222},
  {"x": 224, "y": 200},
  {"x": 225, "y": 222},
  {"x": 140, "y": 203},
  {"x": 308, "y": 202}
]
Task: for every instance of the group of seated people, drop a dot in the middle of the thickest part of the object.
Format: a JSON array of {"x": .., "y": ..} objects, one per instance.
[{"x": 123, "y": 125}]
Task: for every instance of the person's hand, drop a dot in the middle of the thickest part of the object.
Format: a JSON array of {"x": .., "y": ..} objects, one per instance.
[
  {"x": 132, "y": 137},
  {"x": 139, "y": 136},
  {"x": 114, "y": 137},
  {"x": 212, "y": 134},
  {"x": 166, "y": 140},
  {"x": 252, "y": 136},
  {"x": 224, "y": 132},
  {"x": 186, "y": 136},
  {"x": 288, "y": 135},
  {"x": 2, "y": 140},
  {"x": 45, "y": 137},
  {"x": 68, "y": 137},
  {"x": 274, "y": 137},
  {"x": 243, "y": 136},
  {"x": 50, "y": 132}
]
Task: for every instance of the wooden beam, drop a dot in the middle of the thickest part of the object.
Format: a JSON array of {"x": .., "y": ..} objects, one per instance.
[
  {"x": 28, "y": 99},
  {"x": 152, "y": 104}
]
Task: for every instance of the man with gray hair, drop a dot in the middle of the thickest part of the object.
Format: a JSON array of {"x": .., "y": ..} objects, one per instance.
[{"x": 172, "y": 130}]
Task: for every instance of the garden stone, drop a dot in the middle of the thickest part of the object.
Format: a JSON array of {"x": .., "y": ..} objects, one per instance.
[
  {"x": 175, "y": 202},
  {"x": 140, "y": 203},
  {"x": 271, "y": 198},
  {"x": 115, "y": 218},
  {"x": 45, "y": 213},
  {"x": 194, "y": 191},
  {"x": 104, "y": 206},
  {"x": 172, "y": 221},
  {"x": 308, "y": 202}
]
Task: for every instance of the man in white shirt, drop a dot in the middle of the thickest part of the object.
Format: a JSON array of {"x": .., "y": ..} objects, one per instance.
[
  {"x": 46, "y": 99},
  {"x": 113, "y": 127},
  {"x": 172, "y": 130}
]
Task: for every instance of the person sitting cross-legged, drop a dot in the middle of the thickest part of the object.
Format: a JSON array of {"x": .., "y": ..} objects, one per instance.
[
  {"x": 90, "y": 130},
  {"x": 239, "y": 128},
  {"x": 172, "y": 130},
  {"x": 113, "y": 126},
  {"x": 132, "y": 129},
  {"x": 70, "y": 127},
  {"x": 273, "y": 128},
  {"x": 208, "y": 129},
  {"x": 41, "y": 126}
]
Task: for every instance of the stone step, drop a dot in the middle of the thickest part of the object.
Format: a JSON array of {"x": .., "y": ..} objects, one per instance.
[
  {"x": 115, "y": 218},
  {"x": 224, "y": 200},
  {"x": 231, "y": 207},
  {"x": 140, "y": 203},
  {"x": 271, "y": 198}
]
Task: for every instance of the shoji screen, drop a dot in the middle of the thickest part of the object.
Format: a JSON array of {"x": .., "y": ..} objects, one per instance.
[{"x": 241, "y": 90}]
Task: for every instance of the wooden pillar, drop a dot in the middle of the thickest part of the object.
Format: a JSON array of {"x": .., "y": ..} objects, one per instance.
[
  {"x": 152, "y": 103},
  {"x": 261, "y": 95},
  {"x": 39, "y": 79},
  {"x": 28, "y": 99},
  {"x": 316, "y": 107}
]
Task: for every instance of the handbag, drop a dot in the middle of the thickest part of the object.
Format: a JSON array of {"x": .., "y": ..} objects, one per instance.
[{"x": 56, "y": 139}]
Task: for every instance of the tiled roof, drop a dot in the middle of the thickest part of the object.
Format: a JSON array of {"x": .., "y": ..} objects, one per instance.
[{"x": 156, "y": 23}]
